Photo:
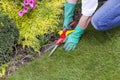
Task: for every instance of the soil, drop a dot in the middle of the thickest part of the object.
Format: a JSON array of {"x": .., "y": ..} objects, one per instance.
[
  {"x": 20, "y": 57},
  {"x": 2, "y": 78}
]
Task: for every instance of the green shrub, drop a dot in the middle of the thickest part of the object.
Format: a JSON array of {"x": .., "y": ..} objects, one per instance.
[
  {"x": 8, "y": 38},
  {"x": 38, "y": 22}
]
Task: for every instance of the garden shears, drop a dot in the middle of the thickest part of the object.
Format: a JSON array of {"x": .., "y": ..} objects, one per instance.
[{"x": 63, "y": 34}]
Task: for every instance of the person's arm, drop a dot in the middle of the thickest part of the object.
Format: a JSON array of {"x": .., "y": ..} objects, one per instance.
[
  {"x": 84, "y": 21},
  {"x": 88, "y": 8},
  {"x": 72, "y": 1}
]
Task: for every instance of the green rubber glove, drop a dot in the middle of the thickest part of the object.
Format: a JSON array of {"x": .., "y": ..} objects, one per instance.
[
  {"x": 73, "y": 38},
  {"x": 69, "y": 10}
]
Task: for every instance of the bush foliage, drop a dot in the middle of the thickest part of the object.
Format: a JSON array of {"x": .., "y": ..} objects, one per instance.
[
  {"x": 8, "y": 37},
  {"x": 43, "y": 20}
]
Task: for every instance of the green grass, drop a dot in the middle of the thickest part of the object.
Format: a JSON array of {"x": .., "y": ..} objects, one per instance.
[{"x": 97, "y": 57}]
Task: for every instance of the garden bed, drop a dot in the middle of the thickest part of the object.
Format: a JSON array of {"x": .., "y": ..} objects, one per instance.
[
  {"x": 21, "y": 56},
  {"x": 33, "y": 33}
]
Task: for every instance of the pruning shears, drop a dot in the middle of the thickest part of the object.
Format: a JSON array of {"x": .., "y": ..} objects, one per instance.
[{"x": 63, "y": 34}]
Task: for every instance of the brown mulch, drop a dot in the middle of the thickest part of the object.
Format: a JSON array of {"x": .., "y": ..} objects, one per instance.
[
  {"x": 20, "y": 57},
  {"x": 2, "y": 78}
]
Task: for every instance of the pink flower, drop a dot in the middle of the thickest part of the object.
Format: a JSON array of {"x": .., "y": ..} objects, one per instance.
[
  {"x": 26, "y": 2},
  {"x": 32, "y": 4},
  {"x": 25, "y": 10},
  {"x": 21, "y": 13}
]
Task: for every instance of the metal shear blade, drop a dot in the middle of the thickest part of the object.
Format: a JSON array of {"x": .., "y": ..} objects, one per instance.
[
  {"x": 55, "y": 47},
  {"x": 49, "y": 48}
]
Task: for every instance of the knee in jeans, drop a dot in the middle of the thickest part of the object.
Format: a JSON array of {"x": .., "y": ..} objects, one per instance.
[{"x": 98, "y": 25}]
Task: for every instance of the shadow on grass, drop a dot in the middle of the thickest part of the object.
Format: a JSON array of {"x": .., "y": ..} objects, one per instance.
[{"x": 101, "y": 37}]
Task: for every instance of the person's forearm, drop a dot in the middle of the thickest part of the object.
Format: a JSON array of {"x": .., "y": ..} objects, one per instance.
[
  {"x": 84, "y": 21},
  {"x": 72, "y": 1}
]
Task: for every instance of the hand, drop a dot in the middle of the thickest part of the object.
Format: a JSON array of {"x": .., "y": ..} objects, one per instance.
[
  {"x": 73, "y": 39},
  {"x": 69, "y": 10}
]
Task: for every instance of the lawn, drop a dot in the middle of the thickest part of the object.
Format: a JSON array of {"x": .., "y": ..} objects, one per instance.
[{"x": 97, "y": 57}]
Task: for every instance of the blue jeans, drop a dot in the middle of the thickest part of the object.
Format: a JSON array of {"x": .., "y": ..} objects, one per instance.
[
  {"x": 107, "y": 16},
  {"x": 101, "y": 0}
]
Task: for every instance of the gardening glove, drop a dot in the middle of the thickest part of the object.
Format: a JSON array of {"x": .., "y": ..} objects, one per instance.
[
  {"x": 73, "y": 38},
  {"x": 69, "y": 10}
]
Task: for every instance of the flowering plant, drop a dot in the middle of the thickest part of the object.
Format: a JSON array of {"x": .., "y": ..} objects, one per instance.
[
  {"x": 47, "y": 18},
  {"x": 27, "y": 5}
]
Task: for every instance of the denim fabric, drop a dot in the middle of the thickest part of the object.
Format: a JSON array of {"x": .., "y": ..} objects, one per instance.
[
  {"x": 101, "y": 0},
  {"x": 107, "y": 16}
]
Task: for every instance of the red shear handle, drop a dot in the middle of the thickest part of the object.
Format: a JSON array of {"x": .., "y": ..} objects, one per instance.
[
  {"x": 62, "y": 37},
  {"x": 60, "y": 41},
  {"x": 73, "y": 24}
]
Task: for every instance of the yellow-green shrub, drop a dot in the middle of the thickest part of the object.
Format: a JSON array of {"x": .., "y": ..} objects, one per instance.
[{"x": 37, "y": 22}]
